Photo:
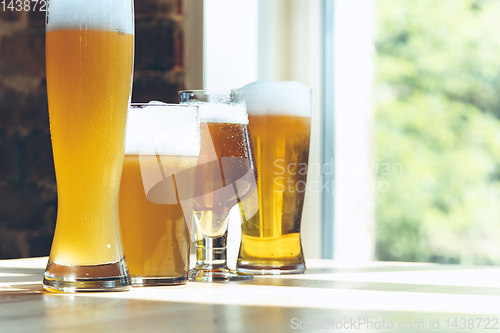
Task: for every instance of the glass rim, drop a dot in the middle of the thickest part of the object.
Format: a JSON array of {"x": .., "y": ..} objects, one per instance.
[
  {"x": 161, "y": 104},
  {"x": 212, "y": 92}
]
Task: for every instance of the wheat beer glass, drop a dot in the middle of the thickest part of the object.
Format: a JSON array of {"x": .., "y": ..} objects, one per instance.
[
  {"x": 162, "y": 145},
  {"x": 225, "y": 175},
  {"x": 279, "y": 121},
  {"x": 89, "y": 62}
]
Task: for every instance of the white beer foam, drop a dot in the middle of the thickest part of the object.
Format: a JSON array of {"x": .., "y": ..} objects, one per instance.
[
  {"x": 221, "y": 113},
  {"x": 163, "y": 129},
  {"x": 104, "y": 15},
  {"x": 278, "y": 98}
]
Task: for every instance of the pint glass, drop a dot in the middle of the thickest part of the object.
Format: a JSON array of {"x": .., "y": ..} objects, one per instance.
[
  {"x": 89, "y": 61},
  {"x": 279, "y": 122},
  {"x": 156, "y": 193}
]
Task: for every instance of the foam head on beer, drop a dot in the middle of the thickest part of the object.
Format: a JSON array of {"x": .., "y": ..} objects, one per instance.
[
  {"x": 220, "y": 110},
  {"x": 107, "y": 15},
  {"x": 277, "y": 98},
  {"x": 223, "y": 113},
  {"x": 162, "y": 129}
]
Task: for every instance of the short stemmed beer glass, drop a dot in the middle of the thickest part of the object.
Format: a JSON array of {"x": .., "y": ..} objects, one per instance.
[
  {"x": 225, "y": 175},
  {"x": 89, "y": 60}
]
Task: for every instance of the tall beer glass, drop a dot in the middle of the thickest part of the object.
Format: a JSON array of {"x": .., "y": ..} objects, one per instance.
[
  {"x": 280, "y": 123},
  {"x": 89, "y": 60},
  {"x": 156, "y": 195},
  {"x": 225, "y": 175}
]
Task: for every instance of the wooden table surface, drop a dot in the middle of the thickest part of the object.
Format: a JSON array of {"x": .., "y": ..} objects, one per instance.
[{"x": 398, "y": 295}]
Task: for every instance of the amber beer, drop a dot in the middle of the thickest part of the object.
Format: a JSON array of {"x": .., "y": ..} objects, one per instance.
[
  {"x": 156, "y": 237},
  {"x": 279, "y": 122},
  {"x": 225, "y": 175},
  {"x": 89, "y": 63},
  {"x": 233, "y": 157}
]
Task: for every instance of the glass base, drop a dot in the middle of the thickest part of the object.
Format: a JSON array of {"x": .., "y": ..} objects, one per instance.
[
  {"x": 138, "y": 281},
  {"x": 211, "y": 261},
  {"x": 265, "y": 268},
  {"x": 71, "y": 279},
  {"x": 217, "y": 274}
]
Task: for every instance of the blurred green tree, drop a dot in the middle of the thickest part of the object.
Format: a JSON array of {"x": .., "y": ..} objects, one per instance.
[{"x": 437, "y": 97}]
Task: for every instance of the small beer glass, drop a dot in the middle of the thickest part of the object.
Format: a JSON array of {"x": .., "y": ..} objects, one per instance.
[
  {"x": 156, "y": 194},
  {"x": 225, "y": 175}
]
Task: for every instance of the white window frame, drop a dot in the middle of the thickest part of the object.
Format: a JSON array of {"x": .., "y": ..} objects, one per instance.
[{"x": 282, "y": 40}]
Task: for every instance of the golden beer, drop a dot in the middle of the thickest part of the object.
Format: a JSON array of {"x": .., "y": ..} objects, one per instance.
[
  {"x": 281, "y": 156},
  {"x": 156, "y": 237},
  {"x": 270, "y": 240}
]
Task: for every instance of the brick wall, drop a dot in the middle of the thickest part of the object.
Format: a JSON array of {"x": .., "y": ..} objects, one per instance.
[{"x": 28, "y": 193}]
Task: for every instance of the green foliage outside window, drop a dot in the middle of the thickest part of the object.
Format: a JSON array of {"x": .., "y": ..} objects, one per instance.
[{"x": 437, "y": 96}]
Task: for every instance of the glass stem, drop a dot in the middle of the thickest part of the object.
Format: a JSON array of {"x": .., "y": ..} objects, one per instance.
[{"x": 211, "y": 253}]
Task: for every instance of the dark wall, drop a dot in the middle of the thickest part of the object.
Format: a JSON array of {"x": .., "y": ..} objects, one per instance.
[{"x": 28, "y": 192}]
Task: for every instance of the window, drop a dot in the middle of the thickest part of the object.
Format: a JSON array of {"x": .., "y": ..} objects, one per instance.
[
  {"x": 437, "y": 131},
  {"x": 284, "y": 40},
  {"x": 405, "y": 131}
]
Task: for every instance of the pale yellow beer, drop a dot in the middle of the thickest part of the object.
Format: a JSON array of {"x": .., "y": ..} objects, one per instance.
[
  {"x": 280, "y": 124},
  {"x": 89, "y": 83},
  {"x": 156, "y": 237}
]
